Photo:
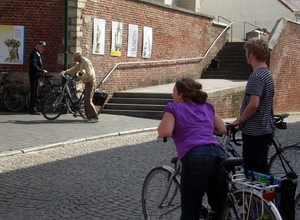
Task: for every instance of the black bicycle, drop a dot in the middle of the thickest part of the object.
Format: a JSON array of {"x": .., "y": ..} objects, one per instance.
[
  {"x": 67, "y": 98},
  {"x": 283, "y": 162},
  {"x": 13, "y": 98},
  {"x": 46, "y": 88}
]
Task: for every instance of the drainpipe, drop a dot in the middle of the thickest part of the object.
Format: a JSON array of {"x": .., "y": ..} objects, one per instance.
[
  {"x": 66, "y": 42},
  {"x": 66, "y": 34}
]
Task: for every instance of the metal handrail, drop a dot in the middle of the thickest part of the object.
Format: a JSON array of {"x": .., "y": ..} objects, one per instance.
[
  {"x": 229, "y": 22},
  {"x": 245, "y": 22},
  {"x": 164, "y": 61}
]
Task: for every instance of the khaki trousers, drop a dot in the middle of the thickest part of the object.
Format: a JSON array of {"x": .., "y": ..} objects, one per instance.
[{"x": 90, "y": 110}]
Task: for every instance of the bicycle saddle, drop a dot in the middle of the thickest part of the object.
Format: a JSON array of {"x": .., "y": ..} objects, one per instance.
[{"x": 230, "y": 161}]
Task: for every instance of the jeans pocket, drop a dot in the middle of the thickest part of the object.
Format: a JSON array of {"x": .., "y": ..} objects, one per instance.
[{"x": 199, "y": 166}]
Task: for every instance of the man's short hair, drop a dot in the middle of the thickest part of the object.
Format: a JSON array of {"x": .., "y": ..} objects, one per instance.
[
  {"x": 259, "y": 47},
  {"x": 77, "y": 54}
]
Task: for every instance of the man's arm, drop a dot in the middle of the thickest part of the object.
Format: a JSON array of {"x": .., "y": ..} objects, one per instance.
[
  {"x": 73, "y": 70},
  {"x": 249, "y": 111}
]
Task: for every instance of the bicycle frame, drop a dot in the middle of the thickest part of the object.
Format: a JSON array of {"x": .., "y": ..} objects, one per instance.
[{"x": 174, "y": 175}]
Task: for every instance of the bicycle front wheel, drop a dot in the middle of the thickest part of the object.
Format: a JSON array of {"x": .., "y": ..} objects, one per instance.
[
  {"x": 246, "y": 205},
  {"x": 291, "y": 156},
  {"x": 158, "y": 200},
  {"x": 53, "y": 106},
  {"x": 28, "y": 97},
  {"x": 14, "y": 101},
  {"x": 81, "y": 109}
]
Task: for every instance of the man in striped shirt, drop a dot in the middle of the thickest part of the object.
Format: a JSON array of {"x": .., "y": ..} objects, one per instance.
[{"x": 256, "y": 114}]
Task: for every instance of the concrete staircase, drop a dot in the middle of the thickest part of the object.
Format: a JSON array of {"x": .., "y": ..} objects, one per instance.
[
  {"x": 143, "y": 105},
  {"x": 233, "y": 63}
]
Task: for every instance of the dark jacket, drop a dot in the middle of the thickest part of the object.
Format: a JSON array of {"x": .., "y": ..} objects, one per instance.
[{"x": 35, "y": 65}]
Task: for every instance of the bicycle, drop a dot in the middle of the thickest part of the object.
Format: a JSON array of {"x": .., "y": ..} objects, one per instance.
[
  {"x": 12, "y": 98},
  {"x": 161, "y": 194},
  {"x": 46, "y": 88},
  {"x": 282, "y": 160},
  {"x": 247, "y": 199},
  {"x": 67, "y": 98}
]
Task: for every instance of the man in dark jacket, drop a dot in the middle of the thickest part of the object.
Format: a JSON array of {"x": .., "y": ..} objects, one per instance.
[{"x": 36, "y": 71}]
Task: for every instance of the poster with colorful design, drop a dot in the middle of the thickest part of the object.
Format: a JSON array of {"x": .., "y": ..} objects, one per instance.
[{"x": 12, "y": 44}]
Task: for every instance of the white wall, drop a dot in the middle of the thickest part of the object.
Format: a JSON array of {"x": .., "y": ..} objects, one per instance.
[{"x": 262, "y": 13}]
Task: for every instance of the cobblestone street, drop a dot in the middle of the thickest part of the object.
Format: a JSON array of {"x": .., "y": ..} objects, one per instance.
[{"x": 98, "y": 179}]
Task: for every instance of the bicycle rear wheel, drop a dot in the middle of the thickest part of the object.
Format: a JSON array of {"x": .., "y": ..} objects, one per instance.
[
  {"x": 53, "y": 106},
  {"x": 14, "y": 101},
  {"x": 250, "y": 206},
  {"x": 292, "y": 156},
  {"x": 297, "y": 207},
  {"x": 154, "y": 189},
  {"x": 78, "y": 109}
]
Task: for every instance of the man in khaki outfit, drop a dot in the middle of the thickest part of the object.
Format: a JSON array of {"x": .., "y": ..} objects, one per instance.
[{"x": 85, "y": 72}]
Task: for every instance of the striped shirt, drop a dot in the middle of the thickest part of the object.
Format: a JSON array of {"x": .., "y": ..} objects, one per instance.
[{"x": 260, "y": 83}]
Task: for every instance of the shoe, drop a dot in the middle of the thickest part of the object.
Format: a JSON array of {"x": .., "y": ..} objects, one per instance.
[
  {"x": 93, "y": 120},
  {"x": 34, "y": 113}
]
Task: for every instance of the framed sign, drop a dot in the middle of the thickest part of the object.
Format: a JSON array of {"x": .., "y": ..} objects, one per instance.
[
  {"x": 99, "y": 36},
  {"x": 133, "y": 34},
  {"x": 147, "y": 42},
  {"x": 116, "y": 39},
  {"x": 12, "y": 44}
]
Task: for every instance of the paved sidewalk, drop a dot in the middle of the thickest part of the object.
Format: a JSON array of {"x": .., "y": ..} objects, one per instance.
[{"x": 22, "y": 133}]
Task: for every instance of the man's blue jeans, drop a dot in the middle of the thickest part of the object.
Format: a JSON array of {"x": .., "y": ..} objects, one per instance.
[{"x": 201, "y": 173}]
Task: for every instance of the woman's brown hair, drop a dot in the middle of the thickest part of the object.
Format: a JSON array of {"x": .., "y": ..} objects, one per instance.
[{"x": 191, "y": 91}]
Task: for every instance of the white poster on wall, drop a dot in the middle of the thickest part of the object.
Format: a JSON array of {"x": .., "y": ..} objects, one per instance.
[
  {"x": 133, "y": 33},
  {"x": 147, "y": 42},
  {"x": 116, "y": 39},
  {"x": 12, "y": 44},
  {"x": 99, "y": 36}
]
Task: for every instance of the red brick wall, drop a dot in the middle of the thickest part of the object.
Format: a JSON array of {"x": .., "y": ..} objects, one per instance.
[
  {"x": 176, "y": 34},
  {"x": 43, "y": 20},
  {"x": 285, "y": 67}
]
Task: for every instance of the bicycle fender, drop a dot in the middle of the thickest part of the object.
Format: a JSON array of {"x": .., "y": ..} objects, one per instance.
[
  {"x": 170, "y": 169},
  {"x": 269, "y": 203}
]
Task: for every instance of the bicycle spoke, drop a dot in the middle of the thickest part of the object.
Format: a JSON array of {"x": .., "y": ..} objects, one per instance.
[{"x": 249, "y": 207}]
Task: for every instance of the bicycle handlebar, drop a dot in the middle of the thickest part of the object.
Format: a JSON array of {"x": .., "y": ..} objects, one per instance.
[
  {"x": 67, "y": 77},
  {"x": 231, "y": 132}
]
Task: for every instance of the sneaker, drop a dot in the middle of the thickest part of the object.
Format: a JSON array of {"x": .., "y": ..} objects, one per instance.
[
  {"x": 93, "y": 120},
  {"x": 34, "y": 113}
]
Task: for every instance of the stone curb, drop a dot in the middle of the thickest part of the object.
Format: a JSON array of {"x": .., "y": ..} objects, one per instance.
[{"x": 47, "y": 146}]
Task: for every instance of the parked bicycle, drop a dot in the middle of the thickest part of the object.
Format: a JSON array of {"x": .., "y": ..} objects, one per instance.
[
  {"x": 67, "y": 98},
  {"x": 283, "y": 161},
  {"x": 246, "y": 199},
  {"x": 13, "y": 98},
  {"x": 46, "y": 88}
]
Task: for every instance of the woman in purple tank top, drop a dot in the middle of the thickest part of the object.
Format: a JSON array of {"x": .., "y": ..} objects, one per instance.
[{"x": 192, "y": 123}]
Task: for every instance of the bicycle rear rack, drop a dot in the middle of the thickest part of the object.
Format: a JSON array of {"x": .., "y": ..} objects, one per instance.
[{"x": 242, "y": 180}]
